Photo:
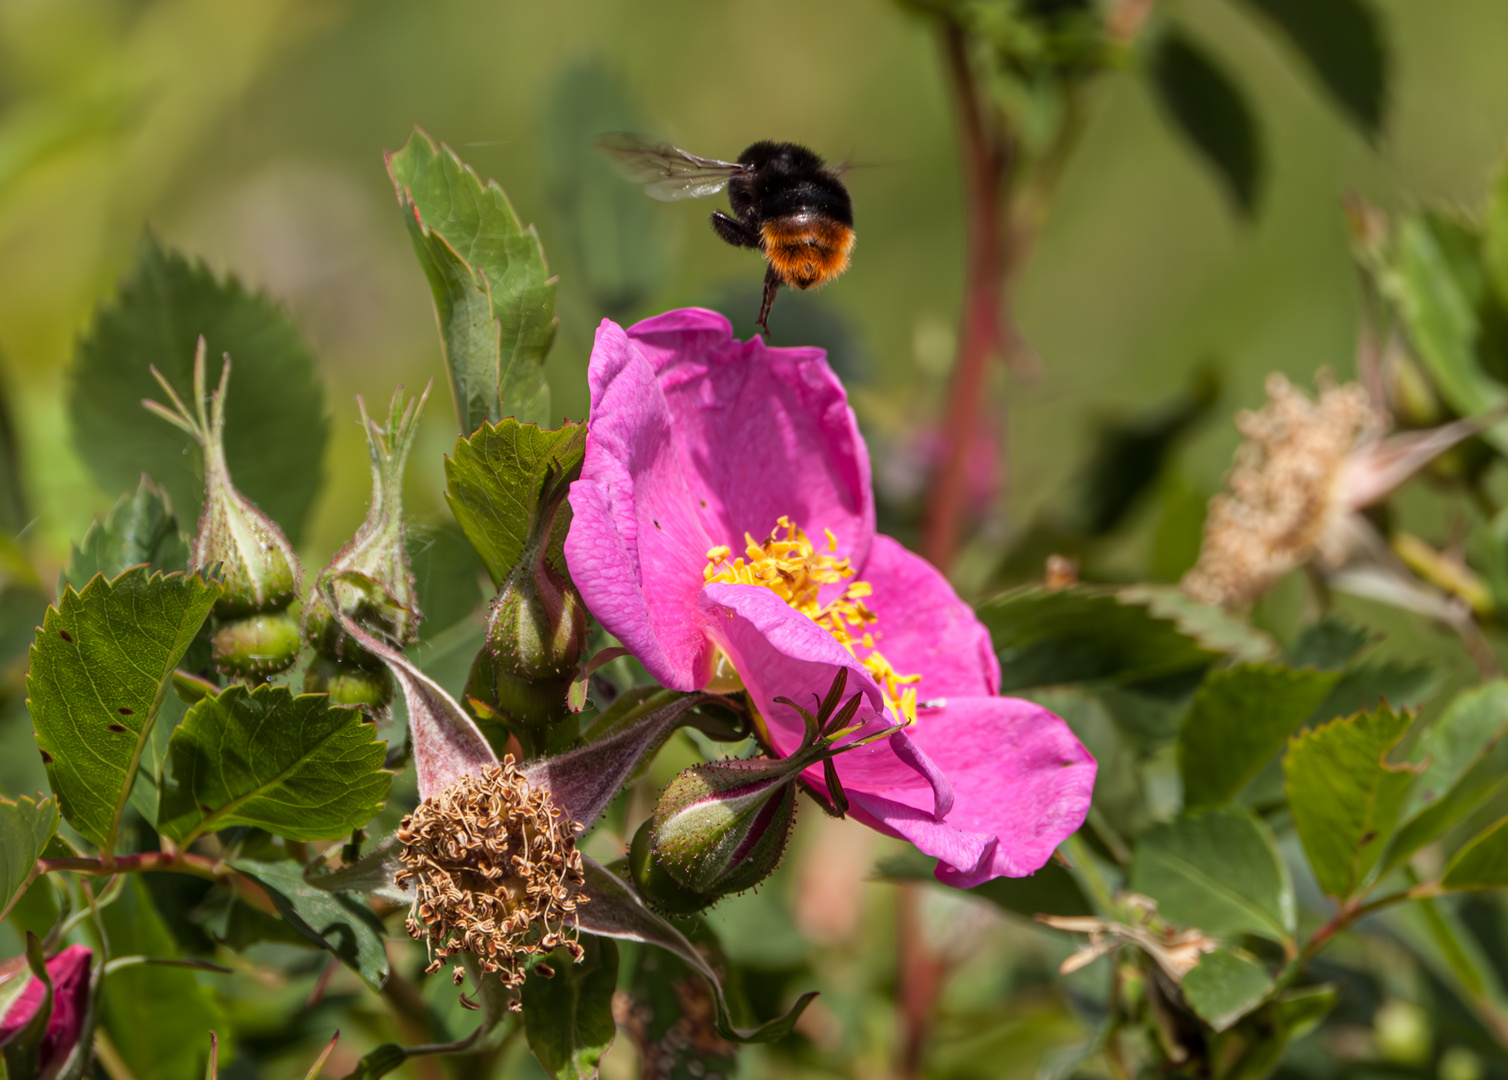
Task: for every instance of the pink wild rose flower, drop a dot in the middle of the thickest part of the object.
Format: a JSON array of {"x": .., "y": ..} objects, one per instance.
[{"x": 723, "y": 531}]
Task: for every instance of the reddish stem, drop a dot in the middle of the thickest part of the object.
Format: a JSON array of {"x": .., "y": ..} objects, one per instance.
[
  {"x": 987, "y": 159},
  {"x": 174, "y": 861},
  {"x": 922, "y": 973}
]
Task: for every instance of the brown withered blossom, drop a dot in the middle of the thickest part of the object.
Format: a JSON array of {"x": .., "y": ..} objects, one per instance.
[
  {"x": 1304, "y": 471},
  {"x": 495, "y": 871}
]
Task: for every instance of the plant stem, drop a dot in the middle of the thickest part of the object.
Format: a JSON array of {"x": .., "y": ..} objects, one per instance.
[
  {"x": 987, "y": 158},
  {"x": 174, "y": 861}
]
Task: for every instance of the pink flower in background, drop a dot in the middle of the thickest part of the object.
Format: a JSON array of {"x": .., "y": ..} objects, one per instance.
[
  {"x": 723, "y": 531},
  {"x": 69, "y": 971}
]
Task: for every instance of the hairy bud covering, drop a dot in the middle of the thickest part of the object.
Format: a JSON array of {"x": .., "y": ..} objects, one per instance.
[{"x": 495, "y": 870}]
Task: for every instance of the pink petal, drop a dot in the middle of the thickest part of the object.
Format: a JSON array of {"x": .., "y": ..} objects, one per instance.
[
  {"x": 762, "y": 432},
  {"x": 70, "y": 974},
  {"x": 1019, "y": 775},
  {"x": 779, "y": 652},
  {"x": 637, "y": 548},
  {"x": 925, "y": 629}
]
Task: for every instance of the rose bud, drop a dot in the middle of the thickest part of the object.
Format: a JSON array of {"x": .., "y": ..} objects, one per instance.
[
  {"x": 70, "y": 973},
  {"x": 372, "y": 580},
  {"x": 258, "y": 570}
]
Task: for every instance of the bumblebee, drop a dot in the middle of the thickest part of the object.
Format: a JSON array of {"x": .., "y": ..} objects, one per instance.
[{"x": 787, "y": 203}]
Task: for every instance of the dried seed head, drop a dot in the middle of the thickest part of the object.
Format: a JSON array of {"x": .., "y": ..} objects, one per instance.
[
  {"x": 1284, "y": 506},
  {"x": 495, "y": 870}
]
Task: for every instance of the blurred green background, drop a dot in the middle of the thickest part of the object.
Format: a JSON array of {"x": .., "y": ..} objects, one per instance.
[{"x": 251, "y": 134}]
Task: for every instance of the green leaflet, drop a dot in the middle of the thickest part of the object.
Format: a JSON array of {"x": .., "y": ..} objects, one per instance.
[
  {"x": 1047, "y": 637},
  {"x": 1225, "y": 987},
  {"x": 25, "y": 827},
  {"x": 503, "y": 480},
  {"x": 337, "y": 923},
  {"x": 140, "y": 528},
  {"x": 276, "y": 427},
  {"x": 1342, "y": 42},
  {"x": 298, "y": 767},
  {"x": 1346, "y": 797},
  {"x": 493, "y": 294},
  {"x": 568, "y": 1018},
  {"x": 1211, "y": 112},
  {"x": 1239, "y": 720},
  {"x": 99, "y": 669},
  {"x": 1219, "y": 871},
  {"x": 157, "y": 1016}
]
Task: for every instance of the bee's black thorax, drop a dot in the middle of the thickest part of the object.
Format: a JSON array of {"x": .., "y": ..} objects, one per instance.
[{"x": 788, "y": 181}]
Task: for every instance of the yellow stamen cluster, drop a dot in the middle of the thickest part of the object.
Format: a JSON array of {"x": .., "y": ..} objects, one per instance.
[
  {"x": 1283, "y": 508},
  {"x": 495, "y": 871},
  {"x": 793, "y": 568}
]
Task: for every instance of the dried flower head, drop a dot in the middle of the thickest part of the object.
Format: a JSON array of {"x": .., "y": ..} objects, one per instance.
[
  {"x": 1286, "y": 503},
  {"x": 495, "y": 871}
]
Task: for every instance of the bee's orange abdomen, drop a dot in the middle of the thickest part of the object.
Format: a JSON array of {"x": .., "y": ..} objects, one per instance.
[{"x": 806, "y": 249}]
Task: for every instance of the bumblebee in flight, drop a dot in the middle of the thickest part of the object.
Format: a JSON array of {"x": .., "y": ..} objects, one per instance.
[{"x": 787, "y": 203}]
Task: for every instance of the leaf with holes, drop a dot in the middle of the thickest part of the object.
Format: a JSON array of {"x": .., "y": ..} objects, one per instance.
[
  {"x": 275, "y": 430},
  {"x": 1345, "y": 795},
  {"x": 298, "y": 767},
  {"x": 494, "y": 297},
  {"x": 99, "y": 668},
  {"x": 503, "y": 481},
  {"x": 1219, "y": 871}
]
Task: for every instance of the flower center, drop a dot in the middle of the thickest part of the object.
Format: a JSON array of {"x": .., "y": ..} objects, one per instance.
[{"x": 793, "y": 568}]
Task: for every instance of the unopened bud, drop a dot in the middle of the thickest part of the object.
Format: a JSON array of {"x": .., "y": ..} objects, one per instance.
[
  {"x": 721, "y": 827},
  {"x": 370, "y": 577},
  {"x": 368, "y": 688},
  {"x": 71, "y": 975},
  {"x": 258, "y": 570},
  {"x": 536, "y": 635}
]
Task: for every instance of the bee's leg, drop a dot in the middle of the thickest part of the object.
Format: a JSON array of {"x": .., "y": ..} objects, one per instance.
[
  {"x": 733, "y": 231},
  {"x": 771, "y": 284}
]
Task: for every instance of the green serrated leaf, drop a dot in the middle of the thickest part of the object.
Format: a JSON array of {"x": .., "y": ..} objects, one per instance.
[
  {"x": 140, "y": 528},
  {"x": 1240, "y": 718},
  {"x": 493, "y": 293},
  {"x": 157, "y": 1016},
  {"x": 1211, "y": 112},
  {"x": 25, "y": 827},
  {"x": 1341, "y": 40},
  {"x": 99, "y": 668},
  {"x": 500, "y": 481},
  {"x": 1225, "y": 986},
  {"x": 1346, "y": 797},
  {"x": 1219, "y": 871},
  {"x": 568, "y": 1018},
  {"x": 276, "y": 427},
  {"x": 336, "y": 922},
  {"x": 298, "y": 767},
  {"x": 1047, "y": 637}
]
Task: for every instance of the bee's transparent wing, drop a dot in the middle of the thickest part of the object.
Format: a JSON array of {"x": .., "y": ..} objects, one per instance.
[{"x": 667, "y": 172}]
